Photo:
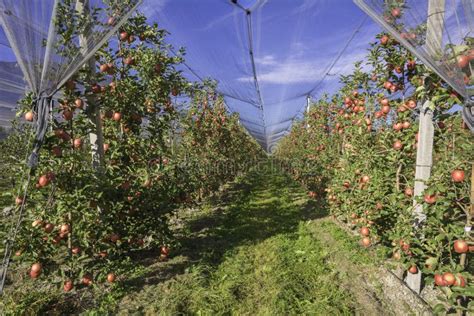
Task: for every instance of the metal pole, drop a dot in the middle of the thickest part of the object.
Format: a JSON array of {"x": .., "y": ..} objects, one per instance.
[
  {"x": 424, "y": 155},
  {"x": 308, "y": 105},
  {"x": 96, "y": 137}
]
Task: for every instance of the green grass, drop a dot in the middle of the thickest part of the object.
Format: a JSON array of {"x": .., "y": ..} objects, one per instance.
[{"x": 255, "y": 255}]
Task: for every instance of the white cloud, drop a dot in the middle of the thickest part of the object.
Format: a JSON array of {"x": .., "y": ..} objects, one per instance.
[
  {"x": 152, "y": 7},
  {"x": 301, "y": 70},
  {"x": 267, "y": 60}
]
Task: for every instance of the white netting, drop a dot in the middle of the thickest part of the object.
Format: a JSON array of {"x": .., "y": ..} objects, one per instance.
[
  {"x": 48, "y": 51},
  {"x": 440, "y": 32},
  {"x": 268, "y": 56}
]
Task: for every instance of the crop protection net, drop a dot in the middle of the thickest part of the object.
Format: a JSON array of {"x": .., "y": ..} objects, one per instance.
[{"x": 268, "y": 57}]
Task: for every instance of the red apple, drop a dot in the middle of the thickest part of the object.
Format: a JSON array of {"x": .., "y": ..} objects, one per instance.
[
  {"x": 439, "y": 281},
  {"x": 460, "y": 246},
  {"x": 29, "y": 116},
  {"x": 397, "y": 145},
  {"x": 396, "y": 12},
  {"x": 110, "y": 277},
  {"x": 365, "y": 241},
  {"x": 462, "y": 61},
  {"x": 449, "y": 278},
  {"x": 364, "y": 231},
  {"x": 457, "y": 175},
  {"x": 117, "y": 116},
  {"x": 68, "y": 286},
  {"x": 77, "y": 143}
]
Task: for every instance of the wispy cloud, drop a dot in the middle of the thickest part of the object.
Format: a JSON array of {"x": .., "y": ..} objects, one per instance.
[
  {"x": 152, "y": 7},
  {"x": 301, "y": 70}
]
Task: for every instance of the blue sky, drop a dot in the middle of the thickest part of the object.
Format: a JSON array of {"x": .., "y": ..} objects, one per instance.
[{"x": 294, "y": 41}]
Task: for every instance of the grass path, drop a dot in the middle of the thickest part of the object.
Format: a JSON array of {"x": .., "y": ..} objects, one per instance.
[{"x": 261, "y": 249}]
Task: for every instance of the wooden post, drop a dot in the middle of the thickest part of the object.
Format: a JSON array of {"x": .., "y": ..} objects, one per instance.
[
  {"x": 424, "y": 155},
  {"x": 96, "y": 137}
]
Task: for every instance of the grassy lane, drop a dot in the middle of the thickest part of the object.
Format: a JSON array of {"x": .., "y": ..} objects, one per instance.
[{"x": 252, "y": 252}]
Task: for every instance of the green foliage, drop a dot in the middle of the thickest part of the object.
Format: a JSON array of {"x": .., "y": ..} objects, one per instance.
[
  {"x": 359, "y": 151},
  {"x": 82, "y": 221}
]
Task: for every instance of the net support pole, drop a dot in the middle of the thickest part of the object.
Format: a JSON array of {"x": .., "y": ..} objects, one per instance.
[
  {"x": 424, "y": 154},
  {"x": 96, "y": 137},
  {"x": 308, "y": 105}
]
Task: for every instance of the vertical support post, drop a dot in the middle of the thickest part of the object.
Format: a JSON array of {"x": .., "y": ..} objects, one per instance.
[
  {"x": 96, "y": 137},
  {"x": 424, "y": 155},
  {"x": 308, "y": 105}
]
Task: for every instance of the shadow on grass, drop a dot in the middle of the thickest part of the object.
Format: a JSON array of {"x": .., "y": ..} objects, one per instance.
[{"x": 259, "y": 206}]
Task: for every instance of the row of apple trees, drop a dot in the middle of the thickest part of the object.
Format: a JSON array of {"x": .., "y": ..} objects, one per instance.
[
  {"x": 166, "y": 142},
  {"x": 357, "y": 150}
]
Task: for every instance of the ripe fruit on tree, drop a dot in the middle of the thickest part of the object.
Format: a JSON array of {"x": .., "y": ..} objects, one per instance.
[
  {"x": 123, "y": 36},
  {"x": 43, "y": 181},
  {"x": 384, "y": 40},
  {"x": 408, "y": 191},
  {"x": 397, "y": 145},
  {"x": 461, "y": 246},
  {"x": 128, "y": 61},
  {"x": 48, "y": 228},
  {"x": 411, "y": 104},
  {"x": 365, "y": 179},
  {"x": 68, "y": 286},
  {"x": 65, "y": 228},
  {"x": 385, "y": 109},
  {"x": 396, "y": 12},
  {"x": 77, "y": 143},
  {"x": 413, "y": 269},
  {"x": 449, "y": 278},
  {"x": 365, "y": 241},
  {"x": 457, "y": 175},
  {"x": 29, "y": 116},
  {"x": 36, "y": 267},
  {"x": 430, "y": 198},
  {"x": 110, "y": 277},
  {"x": 460, "y": 281},
  {"x": 34, "y": 275},
  {"x": 364, "y": 231},
  {"x": 164, "y": 250},
  {"x": 67, "y": 115},
  {"x": 76, "y": 250},
  {"x": 111, "y": 21},
  {"x": 117, "y": 116},
  {"x": 87, "y": 279},
  {"x": 439, "y": 281},
  {"x": 104, "y": 68},
  {"x": 462, "y": 61}
]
